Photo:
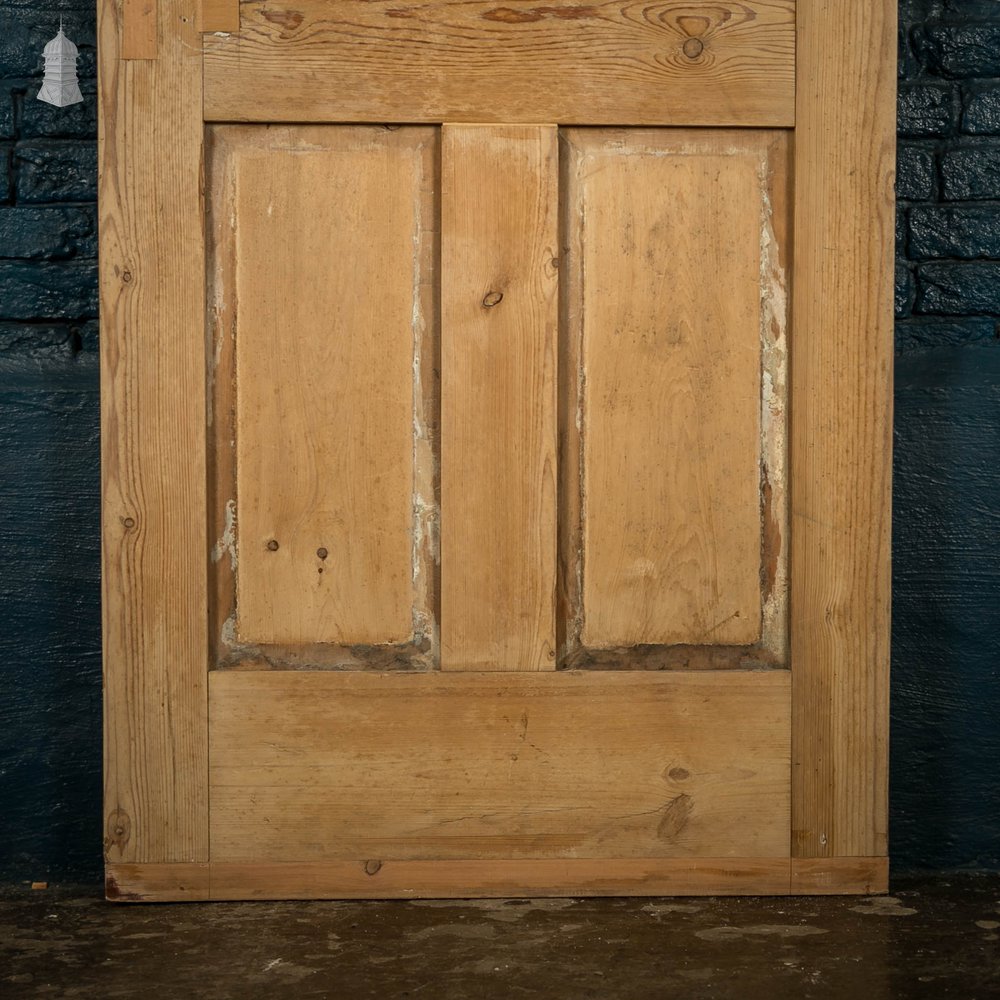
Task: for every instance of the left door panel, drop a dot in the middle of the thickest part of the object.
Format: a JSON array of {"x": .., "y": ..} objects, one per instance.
[{"x": 322, "y": 394}]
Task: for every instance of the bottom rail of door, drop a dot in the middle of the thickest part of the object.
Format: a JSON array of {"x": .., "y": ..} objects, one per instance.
[{"x": 374, "y": 879}]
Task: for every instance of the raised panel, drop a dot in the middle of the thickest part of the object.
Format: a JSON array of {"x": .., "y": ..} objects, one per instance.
[
  {"x": 674, "y": 403},
  {"x": 320, "y": 309}
]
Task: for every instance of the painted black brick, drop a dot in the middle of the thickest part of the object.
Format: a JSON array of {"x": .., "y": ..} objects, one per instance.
[
  {"x": 965, "y": 232},
  {"x": 957, "y": 51},
  {"x": 24, "y": 31},
  {"x": 47, "y": 340},
  {"x": 981, "y": 110},
  {"x": 959, "y": 289},
  {"x": 56, "y": 291},
  {"x": 78, "y": 121},
  {"x": 970, "y": 171},
  {"x": 916, "y": 172},
  {"x": 30, "y": 233},
  {"x": 48, "y": 170},
  {"x": 926, "y": 109},
  {"x": 6, "y": 111},
  {"x": 904, "y": 290},
  {"x": 6, "y": 172}
]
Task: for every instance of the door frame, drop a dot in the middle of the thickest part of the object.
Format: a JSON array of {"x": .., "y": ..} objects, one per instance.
[{"x": 155, "y": 520}]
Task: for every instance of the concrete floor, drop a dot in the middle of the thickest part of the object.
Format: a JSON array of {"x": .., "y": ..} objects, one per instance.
[{"x": 932, "y": 938}]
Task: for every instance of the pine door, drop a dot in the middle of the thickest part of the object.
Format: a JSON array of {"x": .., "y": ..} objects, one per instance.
[{"x": 496, "y": 409}]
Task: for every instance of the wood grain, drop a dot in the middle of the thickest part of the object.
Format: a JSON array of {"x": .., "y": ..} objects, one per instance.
[
  {"x": 152, "y": 285},
  {"x": 138, "y": 29},
  {"x": 477, "y": 61},
  {"x": 156, "y": 883},
  {"x": 499, "y": 318},
  {"x": 340, "y": 766},
  {"x": 327, "y": 280},
  {"x": 841, "y": 425},
  {"x": 373, "y": 879},
  {"x": 839, "y": 876},
  {"x": 219, "y": 15},
  {"x": 665, "y": 301}
]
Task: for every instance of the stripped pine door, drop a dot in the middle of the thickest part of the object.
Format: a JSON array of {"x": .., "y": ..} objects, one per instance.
[{"x": 496, "y": 413}]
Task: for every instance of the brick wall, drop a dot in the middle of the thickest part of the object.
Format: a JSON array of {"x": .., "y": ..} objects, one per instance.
[
  {"x": 946, "y": 632},
  {"x": 50, "y": 665},
  {"x": 948, "y": 173}
]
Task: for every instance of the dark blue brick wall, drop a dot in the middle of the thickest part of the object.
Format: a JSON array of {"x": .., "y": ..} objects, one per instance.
[
  {"x": 945, "y": 782},
  {"x": 945, "y": 791},
  {"x": 50, "y": 662}
]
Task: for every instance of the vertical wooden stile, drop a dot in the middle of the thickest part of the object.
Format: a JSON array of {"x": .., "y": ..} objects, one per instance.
[
  {"x": 841, "y": 393},
  {"x": 138, "y": 29},
  {"x": 153, "y": 444},
  {"x": 499, "y": 266}
]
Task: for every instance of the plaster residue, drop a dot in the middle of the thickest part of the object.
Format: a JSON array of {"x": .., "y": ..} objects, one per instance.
[
  {"x": 774, "y": 429},
  {"x": 227, "y": 540},
  {"x": 425, "y": 553},
  {"x": 228, "y": 636}
]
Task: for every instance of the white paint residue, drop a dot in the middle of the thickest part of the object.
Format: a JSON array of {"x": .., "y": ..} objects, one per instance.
[
  {"x": 227, "y": 541},
  {"x": 773, "y": 411},
  {"x": 229, "y": 632}
]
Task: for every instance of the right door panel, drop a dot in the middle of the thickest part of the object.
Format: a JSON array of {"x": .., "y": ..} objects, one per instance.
[{"x": 673, "y": 471}]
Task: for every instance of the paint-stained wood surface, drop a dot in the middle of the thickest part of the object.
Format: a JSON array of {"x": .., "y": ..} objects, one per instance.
[
  {"x": 499, "y": 317},
  {"x": 325, "y": 766},
  {"x": 664, "y": 308},
  {"x": 669, "y": 62},
  {"x": 326, "y": 280},
  {"x": 152, "y": 287},
  {"x": 842, "y": 425}
]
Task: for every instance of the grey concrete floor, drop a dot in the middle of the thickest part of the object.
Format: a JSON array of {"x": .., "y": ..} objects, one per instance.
[{"x": 933, "y": 938}]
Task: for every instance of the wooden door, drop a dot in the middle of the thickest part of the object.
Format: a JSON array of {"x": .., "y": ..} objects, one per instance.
[{"x": 496, "y": 411}]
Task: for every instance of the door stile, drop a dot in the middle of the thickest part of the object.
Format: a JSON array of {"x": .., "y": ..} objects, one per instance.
[
  {"x": 841, "y": 397},
  {"x": 154, "y": 520},
  {"x": 499, "y": 322}
]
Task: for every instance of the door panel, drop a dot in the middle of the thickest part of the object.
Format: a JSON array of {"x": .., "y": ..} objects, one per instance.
[
  {"x": 319, "y": 766},
  {"x": 670, "y": 62},
  {"x": 322, "y": 300},
  {"x": 499, "y": 261},
  {"x": 673, "y": 470}
]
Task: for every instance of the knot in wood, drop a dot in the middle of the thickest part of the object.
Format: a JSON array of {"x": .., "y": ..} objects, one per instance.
[
  {"x": 693, "y": 47},
  {"x": 491, "y": 299}
]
